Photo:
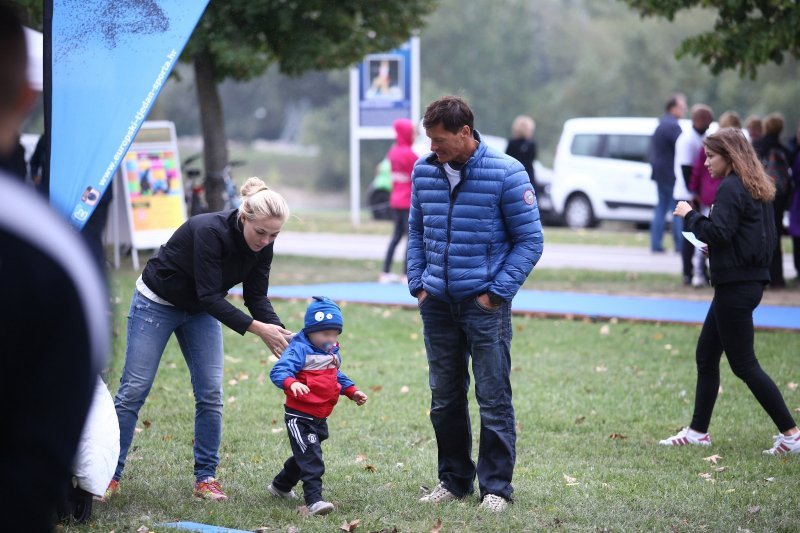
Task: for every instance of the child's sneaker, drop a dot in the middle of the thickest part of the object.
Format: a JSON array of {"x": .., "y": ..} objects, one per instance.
[
  {"x": 687, "y": 436},
  {"x": 784, "y": 444},
  {"x": 320, "y": 508},
  {"x": 440, "y": 494},
  {"x": 291, "y": 495},
  {"x": 209, "y": 489}
]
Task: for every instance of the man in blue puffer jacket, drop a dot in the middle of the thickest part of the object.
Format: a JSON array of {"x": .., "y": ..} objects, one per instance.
[{"x": 474, "y": 236}]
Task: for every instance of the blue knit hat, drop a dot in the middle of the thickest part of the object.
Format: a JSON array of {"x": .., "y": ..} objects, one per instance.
[{"x": 323, "y": 314}]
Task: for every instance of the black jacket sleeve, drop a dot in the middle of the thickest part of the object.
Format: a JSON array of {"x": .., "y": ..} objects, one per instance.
[
  {"x": 725, "y": 216},
  {"x": 255, "y": 288}
]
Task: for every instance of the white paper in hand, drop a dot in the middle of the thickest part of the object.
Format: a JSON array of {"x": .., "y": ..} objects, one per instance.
[{"x": 697, "y": 243}]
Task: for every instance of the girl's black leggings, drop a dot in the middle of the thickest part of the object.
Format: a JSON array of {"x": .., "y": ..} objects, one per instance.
[
  {"x": 729, "y": 327},
  {"x": 400, "y": 218}
]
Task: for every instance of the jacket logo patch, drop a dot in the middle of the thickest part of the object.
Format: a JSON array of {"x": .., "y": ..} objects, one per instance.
[
  {"x": 529, "y": 197},
  {"x": 312, "y": 438}
]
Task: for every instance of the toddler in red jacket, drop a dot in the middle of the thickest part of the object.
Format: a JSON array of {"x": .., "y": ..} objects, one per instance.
[{"x": 308, "y": 372}]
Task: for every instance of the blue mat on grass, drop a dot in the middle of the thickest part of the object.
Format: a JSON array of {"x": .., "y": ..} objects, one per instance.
[
  {"x": 200, "y": 528},
  {"x": 553, "y": 303}
]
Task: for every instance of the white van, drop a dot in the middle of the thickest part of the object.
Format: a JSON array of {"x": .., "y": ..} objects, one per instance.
[{"x": 601, "y": 171}]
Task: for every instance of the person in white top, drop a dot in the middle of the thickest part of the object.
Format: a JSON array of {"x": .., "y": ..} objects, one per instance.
[{"x": 688, "y": 145}]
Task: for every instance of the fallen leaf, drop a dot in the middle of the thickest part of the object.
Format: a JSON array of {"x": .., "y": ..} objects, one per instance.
[
  {"x": 437, "y": 527},
  {"x": 753, "y": 509},
  {"x": 137, "y": 430},
  {"x": 167, "y": 438},
  {"x": 414, "y": 336},
  {"x": 277, "y": 430},
  {"x": 172, "y": 365},
  {"x": 713, "y": 459},
  {"x": 667, "y": 346},
  {"x": 361, "y": 458},
  {"x": 232, "y": 382},
  {"x": 404, "y": 389},
  {"x": 617, "y": 436},
  {"x": 704, "y": 475},
  {"x": 721, "y": 468},
  {"x": 580, "y": 420},
  {"x": 769, "y": 479},
  {"x": 303, "y": 510},
  {"x": 605, "y": 330},
  {"x": 370, "y": 468},
  {"x": 260, "y": 379},
  {"x": 143, "y": 529},
  {"x": 232, "y": 359},
  {"x": 399, "y": 465},
  {"x": 797, "y": 410},
  {"x": 349, "y": 526},
  {"x": 792, "y": 385},
  {"x": 658, "y": 336},
  {"x": 272, "y": 359},
  {"x": 600, "y": 369},
  {"x": 146, "y": 423},
  {"x": 571, "y": 480},
  {"x": 376, "y": 388},
  {"x": 730, "y": 490}
]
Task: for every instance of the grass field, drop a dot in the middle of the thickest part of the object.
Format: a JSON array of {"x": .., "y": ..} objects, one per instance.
[{"x": 592, "y": 400}]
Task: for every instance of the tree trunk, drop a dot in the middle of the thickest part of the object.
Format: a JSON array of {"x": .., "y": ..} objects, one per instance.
[{"x": 215, "y": 141}]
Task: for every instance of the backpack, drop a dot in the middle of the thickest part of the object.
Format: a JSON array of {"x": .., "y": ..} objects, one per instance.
[{"x": 777, "y": 167}]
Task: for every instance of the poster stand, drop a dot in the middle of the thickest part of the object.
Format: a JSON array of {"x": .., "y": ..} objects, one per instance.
[{"x": 149, "y": 202}]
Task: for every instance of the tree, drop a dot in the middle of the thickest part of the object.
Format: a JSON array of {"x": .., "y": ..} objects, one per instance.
[
  {"x": 746, "y": 34},
  {"x": 239, "y": 39}
]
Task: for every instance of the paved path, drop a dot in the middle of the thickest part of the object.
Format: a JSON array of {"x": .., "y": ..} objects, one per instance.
[{"x": 582, "y": 256}]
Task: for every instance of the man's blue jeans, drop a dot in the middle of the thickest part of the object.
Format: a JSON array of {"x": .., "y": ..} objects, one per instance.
[
  {"x": 666, "y": 204},
  {"x": 199, "y": 335},
  {"x": 453, "y": 333}
]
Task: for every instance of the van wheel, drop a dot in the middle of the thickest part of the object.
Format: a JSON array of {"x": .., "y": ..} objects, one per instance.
[{"x": 578, "y": 212}]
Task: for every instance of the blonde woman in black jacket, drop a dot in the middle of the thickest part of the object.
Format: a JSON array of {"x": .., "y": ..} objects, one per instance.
[{"x": 740, "y": 234}]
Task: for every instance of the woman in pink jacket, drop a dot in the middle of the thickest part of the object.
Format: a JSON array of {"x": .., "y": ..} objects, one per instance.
[{"x": 402, "y": 159}]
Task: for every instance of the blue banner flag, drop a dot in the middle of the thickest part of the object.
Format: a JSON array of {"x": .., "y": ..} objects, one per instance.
[{"x": 110, "y": 59}]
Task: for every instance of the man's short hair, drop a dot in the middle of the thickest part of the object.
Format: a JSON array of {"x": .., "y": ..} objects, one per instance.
[
  {"x": 451, "y": 112},
  {"x": 673, "y": 101},
  {"x": 13, "y": 57}
]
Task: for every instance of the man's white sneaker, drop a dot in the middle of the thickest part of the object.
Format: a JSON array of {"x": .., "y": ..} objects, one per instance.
[
  {"x": 494, "y": 503},
  {"x": 281, "y": 494},
  {"x": 439, "y": 495},
  {"x": 320, "y": 508},
  {"x": 784, "y": 444},
  {"x": 687, "y": 436}
]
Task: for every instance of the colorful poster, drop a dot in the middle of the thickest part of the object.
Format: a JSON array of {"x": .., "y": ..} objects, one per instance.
[
  {"x": 154, "y": 188},
  {"x": 385, "y": 88}
]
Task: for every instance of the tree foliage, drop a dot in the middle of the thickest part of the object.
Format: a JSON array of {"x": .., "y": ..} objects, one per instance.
[{"x": 746, "y": 33}]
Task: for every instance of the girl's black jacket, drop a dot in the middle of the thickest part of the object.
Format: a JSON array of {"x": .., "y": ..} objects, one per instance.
[
  {"x": 740, "y": 233},
  {"x": 202, "y": 260}
]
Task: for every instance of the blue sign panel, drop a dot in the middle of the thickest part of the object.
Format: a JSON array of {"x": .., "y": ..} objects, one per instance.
[{"x": 385, "y": 88}]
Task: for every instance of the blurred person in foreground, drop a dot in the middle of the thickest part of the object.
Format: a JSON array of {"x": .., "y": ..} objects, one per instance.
[
  {"x": 740, "y": 237},
  {"x": 794, "y": 207},
  {"x": 662, "y": 161},
  {"x": 401, "y": 158},
  {"x": 474, "y": 236},
  {"x": 53, "y": 326},
  {"x": 689, "y": 143}
]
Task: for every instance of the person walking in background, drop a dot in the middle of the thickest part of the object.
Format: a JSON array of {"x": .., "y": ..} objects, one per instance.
[
  {"x": 474, "y": 236},
  {"x": 402, "y": 159},
  {"x": 754, "y": 127},
  {"x": 740, "y": 237},
  {"x": 689, "y": 143},
  {"x": 662, "y": 161},
  {"x": 54, "y": 331},
  {"x": 182, "y": 290},
  {"x": 522, "y": 147},
  {"x": 794, "y": 207},
  {"x": 309, "y": 374},
  {"x": 777, "y": 162}
]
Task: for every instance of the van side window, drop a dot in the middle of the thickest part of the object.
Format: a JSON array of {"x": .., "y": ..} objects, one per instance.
[
  {"x": 628, "y": 147},
  {"x": 586, "y": 144}
]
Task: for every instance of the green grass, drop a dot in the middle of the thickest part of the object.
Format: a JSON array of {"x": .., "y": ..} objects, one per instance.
[{"x": 576, "y": 383}]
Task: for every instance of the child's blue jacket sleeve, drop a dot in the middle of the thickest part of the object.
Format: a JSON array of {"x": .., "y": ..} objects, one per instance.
[
  {"x": 290, "y": 363},
  {"x": 344, "y": 381}
]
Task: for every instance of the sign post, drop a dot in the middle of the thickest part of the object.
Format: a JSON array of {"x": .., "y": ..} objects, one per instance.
[{"x": 383, "y": 88}]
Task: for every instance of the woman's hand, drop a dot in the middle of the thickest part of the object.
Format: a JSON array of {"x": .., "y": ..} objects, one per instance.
[
  {"x": 275, "y": 337},
  {"x": 682, "y": 208}
]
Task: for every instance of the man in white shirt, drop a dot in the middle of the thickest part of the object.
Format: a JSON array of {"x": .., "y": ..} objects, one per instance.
[{"x": 687, "y": 148}]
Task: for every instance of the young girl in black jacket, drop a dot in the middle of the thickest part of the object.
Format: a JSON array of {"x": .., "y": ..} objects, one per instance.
[{"x": 740, "y": 234}]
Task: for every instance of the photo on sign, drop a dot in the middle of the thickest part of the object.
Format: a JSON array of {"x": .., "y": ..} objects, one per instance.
[{"x": 385, "y": 77}]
